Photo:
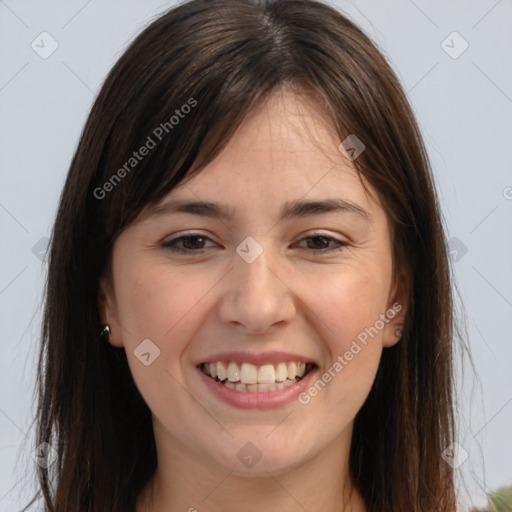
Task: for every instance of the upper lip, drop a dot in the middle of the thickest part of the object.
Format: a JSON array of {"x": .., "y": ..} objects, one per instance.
[{"x": 256, "y": 359}]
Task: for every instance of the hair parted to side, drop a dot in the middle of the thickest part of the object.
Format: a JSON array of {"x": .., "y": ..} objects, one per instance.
[{"x": 227, "y": 56}]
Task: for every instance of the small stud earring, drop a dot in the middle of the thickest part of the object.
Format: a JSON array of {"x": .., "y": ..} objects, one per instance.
[
  {"x": 398, "y": 332},
  {"x": 106, "y": 333}
]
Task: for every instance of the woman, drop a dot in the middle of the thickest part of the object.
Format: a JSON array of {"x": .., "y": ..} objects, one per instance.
[{"x": 248, "y": 301}]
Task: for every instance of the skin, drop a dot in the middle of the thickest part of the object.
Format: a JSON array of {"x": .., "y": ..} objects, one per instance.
[{"x": 292, "y": 298}]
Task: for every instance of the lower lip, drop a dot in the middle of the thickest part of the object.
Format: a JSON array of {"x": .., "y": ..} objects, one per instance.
[{"x": 263, "y": 400}]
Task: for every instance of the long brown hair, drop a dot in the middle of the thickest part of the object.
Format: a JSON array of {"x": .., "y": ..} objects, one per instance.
[{"x": 222, "y": 57}]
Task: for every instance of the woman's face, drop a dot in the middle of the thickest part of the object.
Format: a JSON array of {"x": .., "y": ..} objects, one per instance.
[{"x": 288, "y": 266}]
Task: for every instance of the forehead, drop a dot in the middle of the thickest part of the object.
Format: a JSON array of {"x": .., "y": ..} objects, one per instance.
[{"x": 285, "y": 149}]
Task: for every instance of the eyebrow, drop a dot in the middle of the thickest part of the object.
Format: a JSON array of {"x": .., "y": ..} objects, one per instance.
[{"x": 291, "y": 209}]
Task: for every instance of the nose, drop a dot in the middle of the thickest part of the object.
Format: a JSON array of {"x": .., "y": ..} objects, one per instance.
[{"x": 256, "y": 296}]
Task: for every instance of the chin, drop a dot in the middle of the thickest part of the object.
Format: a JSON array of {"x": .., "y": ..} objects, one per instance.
[{"x": 256, "y": 453}]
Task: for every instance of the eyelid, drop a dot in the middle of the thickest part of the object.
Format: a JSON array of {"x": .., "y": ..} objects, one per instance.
[
  {"x": 319, "y": 232},
  {"x": 179, "y": 234}
]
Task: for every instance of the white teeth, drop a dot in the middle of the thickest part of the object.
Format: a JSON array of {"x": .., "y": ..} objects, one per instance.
[
  {"x": 266, "y": 374},
  {"x": 249, "y": 374},
  {"x": 233, "y": 372},
  {"x": 248, "y": 377},
  {"x": 281, "y": 372},
  {"x": 222, "y": 373}
]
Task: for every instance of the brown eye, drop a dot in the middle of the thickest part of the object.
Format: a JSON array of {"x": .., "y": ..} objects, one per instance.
[
  {"x": 187, "y": 243},
  {"x": 321, "y": 243},
  {"x": 193, "y": 242}
]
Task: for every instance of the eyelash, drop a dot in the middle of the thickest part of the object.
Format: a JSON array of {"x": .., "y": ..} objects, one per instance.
[{"x": 171, "y": 244}]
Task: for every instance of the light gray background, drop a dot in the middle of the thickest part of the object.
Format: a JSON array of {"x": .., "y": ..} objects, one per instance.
[{"x": 464, "y": 107}]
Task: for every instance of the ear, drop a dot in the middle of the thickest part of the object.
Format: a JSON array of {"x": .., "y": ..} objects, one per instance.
[
  {"x": 108, "y": 311},
  {"x": 396, "y": 312}
]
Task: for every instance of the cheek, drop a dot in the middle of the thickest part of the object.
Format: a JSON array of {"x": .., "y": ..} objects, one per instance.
[
  {"x": 153, "y": 298},
  {"x": 349, "y": 308},
  {"x": 165, "y": 306},
  {"x": 350, "y": 302}
]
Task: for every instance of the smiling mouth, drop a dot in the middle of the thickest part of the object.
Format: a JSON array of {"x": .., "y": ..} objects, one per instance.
[{"x": 256, "y": 378}]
